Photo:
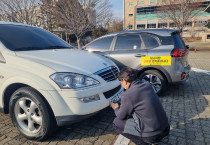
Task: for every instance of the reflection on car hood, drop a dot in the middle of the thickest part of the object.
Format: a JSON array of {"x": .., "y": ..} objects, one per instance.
[{"x": 68, "y": 60}]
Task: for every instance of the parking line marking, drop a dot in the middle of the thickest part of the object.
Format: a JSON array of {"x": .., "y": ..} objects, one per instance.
[
  {"x": 201, "y": 70},
  {"x": 121, "y": 140}
]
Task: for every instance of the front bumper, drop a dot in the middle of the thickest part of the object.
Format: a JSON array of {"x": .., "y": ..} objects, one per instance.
[
  {"x": 68, "y": 108},
  {"x": 66, "y": 120}
]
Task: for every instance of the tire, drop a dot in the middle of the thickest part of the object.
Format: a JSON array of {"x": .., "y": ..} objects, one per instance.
[
  {"x": 155, "y": 78},
  {"x": 31, "y": 114}
]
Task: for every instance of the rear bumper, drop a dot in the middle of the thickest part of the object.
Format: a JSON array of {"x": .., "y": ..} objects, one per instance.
[{"x": 178, "y": 77}]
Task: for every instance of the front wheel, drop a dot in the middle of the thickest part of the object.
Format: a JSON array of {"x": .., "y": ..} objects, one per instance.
[
  {"x": 155, "y": 78},
  {"x": 31, "y": 115}
]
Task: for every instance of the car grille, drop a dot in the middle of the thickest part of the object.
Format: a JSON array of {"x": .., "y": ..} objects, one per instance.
[
  {"x": 108, "y": 74},
  {"x": 110, "y": 93}
]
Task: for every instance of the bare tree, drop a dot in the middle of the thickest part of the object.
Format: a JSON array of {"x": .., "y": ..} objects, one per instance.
[
  {"x": 47, "y": 10},
  {"x": 179, "y": 12},
  {"x": 102, "y": 9},
  {"x": 71, "y": 16},
  {"x": 116, "y": 24},
  {"x": 198, "y": 30},
  {"x": 22, "y": 11}
]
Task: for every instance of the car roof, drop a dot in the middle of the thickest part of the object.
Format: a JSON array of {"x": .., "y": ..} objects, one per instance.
[
  {"x": 13, "y": 23},
  {"x": 160, "y": 32}
]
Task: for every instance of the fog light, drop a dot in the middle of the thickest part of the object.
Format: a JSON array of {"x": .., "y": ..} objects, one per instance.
[{"x": 90, "y": 99}]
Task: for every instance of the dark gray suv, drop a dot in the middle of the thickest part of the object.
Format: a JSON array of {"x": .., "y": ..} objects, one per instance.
[{"x": 126, "y": 48}]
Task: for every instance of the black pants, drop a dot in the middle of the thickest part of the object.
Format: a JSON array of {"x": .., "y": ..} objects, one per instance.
[{"x": 119, "y": 127}]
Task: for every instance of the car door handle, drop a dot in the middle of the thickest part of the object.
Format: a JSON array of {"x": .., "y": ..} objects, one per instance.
[{"x": 139, "y": 55}]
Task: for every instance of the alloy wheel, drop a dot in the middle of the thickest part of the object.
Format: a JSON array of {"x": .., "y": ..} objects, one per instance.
[
  {"x": 28, "y": 115},
  {"x": 154, "y": 81}
]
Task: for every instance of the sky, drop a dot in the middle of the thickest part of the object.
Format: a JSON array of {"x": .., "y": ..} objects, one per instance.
[{"x": 117, "y": 6}]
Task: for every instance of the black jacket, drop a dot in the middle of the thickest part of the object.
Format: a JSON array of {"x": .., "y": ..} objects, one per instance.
[{"x": 141, "y": 99}]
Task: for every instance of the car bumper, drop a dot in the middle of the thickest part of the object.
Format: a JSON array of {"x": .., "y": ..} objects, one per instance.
[
  {"x": 70, "y": 119},
  {"x": 182, "y": 75},
  {"x": 68, "y": 107}
]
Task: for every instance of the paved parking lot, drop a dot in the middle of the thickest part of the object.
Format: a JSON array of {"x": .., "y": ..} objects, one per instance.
[{"x": 187, "y": 106}]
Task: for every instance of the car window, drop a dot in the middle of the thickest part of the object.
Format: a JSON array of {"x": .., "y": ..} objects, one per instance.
[
  {"x": 178, "y": 42},
  {"x": 128, "y": 42},
  {"x": 100, "y": 44},
  {"x": 26, "y": 38},
  {"x": 150, "y": 41},
  {"x": 166, "y": 40}
]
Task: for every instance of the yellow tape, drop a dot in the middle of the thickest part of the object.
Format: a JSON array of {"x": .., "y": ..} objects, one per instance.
[{"x": 156, "y": 60}]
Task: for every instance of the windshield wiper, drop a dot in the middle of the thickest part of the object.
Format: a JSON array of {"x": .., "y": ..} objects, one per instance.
[
  {"x": 28, "y": 48},
  {"x": 58, "y": 47},
  {"x": 42, "y": 48}
]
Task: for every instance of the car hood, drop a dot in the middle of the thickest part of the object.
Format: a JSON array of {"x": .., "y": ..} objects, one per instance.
[{"x": 68, "y": 60}]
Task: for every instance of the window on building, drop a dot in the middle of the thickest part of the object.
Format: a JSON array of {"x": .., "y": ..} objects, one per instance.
[
  {"x": 204, "y": 4},
  {"x": 130, "y": 15},
  {"x": 128, "y": 42},
  {"x": 130, "y": 27},
  {"x": 151, "y": 26},
  {"x": 146, "y": 10},
  {"x": 131, "y": 4},
  {"x": 152, "y": 1},
  {"x": 188, "y": 24},
  {"x": 162, "y": 25},
  {"x": 172, "y": 25},
  {"x": 150, "y": 41},
  {"x": 140, "y": 26},
  {"x": 201, "y": 22},
  {"x": 164, "y": 1},
  {"x": 142, "y": 3},
  {"x": 101, "y": 44}
]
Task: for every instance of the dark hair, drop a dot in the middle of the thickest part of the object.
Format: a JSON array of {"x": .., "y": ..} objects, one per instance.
[{"x": 127, "y": 74}]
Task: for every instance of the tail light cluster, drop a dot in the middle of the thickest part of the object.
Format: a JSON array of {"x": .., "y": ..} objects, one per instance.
[{"x": 179, "y": 52}]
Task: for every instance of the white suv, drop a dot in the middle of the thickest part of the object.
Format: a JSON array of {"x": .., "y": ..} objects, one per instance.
[{"x": 45, "y": 82}]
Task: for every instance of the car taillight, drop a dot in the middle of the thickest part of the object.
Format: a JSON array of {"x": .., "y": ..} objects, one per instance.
[{"x": 179, "y": 52}]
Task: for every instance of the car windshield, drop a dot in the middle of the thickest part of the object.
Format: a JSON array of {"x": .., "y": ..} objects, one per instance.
[{"x": 26, "y": 38}]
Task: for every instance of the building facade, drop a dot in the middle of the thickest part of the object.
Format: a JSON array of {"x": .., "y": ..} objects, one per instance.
[{"x": 141, "y": 14}]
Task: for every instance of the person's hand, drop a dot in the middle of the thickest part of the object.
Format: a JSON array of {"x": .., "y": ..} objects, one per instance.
[{"x": 114, "y": 105}]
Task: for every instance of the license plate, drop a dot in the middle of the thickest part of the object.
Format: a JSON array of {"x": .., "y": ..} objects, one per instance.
[{"x": 117, "y": 98}]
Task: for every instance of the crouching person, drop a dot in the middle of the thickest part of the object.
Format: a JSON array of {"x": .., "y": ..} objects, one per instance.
[{"x": 140, "y": 116}]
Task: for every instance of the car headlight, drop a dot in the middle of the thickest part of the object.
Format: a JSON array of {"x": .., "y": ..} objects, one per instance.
[{"x": 72, "y": 80}]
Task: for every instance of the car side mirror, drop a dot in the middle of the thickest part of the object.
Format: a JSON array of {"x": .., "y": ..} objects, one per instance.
[{"x": 187, "y": 46}]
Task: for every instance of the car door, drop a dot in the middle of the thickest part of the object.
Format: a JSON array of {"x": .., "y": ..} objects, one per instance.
[
  {"x": 128, "y": 50},
  {"x": 100, "y": 46}
]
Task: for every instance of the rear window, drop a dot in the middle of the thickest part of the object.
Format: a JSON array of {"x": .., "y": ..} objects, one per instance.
[
  {"x": 150, "y": 41},
  {"x": 178, "y": 42},
  {"x": 166, "y": 40},
  {"x": 128, "y": 42}
]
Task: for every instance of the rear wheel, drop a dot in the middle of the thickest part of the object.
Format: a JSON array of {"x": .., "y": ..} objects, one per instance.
[
  {"x": 31, "y": 115},
  {"x": 155, "y": 78}
]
